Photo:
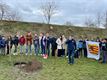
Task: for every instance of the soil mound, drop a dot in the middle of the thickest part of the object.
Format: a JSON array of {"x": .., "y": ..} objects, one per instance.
[{"x": 31, "y": 66}]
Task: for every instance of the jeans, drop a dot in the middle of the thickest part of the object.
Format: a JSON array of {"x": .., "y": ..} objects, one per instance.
[
  {"x": 21, "y": 49},
  {"x": 104, "y": 56},
  {"x": 48, "y": 50},
  {"x": 36, "y": 48},
  {"x": 71, "y": 56},
  {"x": 28, "y": 49},
  {"x": 43, "y": 50},
  {"x": 2, "y": 50},
  {"x": 80, "y": 52},
  {"x": 15, "y": 48}
]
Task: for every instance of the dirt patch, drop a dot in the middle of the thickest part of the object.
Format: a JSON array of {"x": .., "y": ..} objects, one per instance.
[{"x": 30, "y": 66}]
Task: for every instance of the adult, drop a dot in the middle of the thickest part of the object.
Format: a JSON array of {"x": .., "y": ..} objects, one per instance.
[
  {"x": 71, "y": 46},
  {"x": 60, "y": 46}
]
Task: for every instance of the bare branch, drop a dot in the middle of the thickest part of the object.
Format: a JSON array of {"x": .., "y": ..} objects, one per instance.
[
  {"x": 48, "y": 10},
  {"x": 3, "y": 10}
]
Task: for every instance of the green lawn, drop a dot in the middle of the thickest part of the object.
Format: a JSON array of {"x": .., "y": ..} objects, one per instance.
[{"x": 54, "y": 69}]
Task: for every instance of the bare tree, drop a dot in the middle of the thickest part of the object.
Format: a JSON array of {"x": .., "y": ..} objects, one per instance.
[
  {"x": 89, "y": 22},
  {"x": 7, "y": 13},
  {"x": 105, "y": 20},
  {"x": 13, "y": 16},
  {"x": 98, "y": 20},
  {"x": 68, "y": 23},
  {"x": 3, "y": 10},
  {"x": 48, "y": 9}
]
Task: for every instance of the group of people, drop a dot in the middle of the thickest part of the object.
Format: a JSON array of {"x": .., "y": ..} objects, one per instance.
[
  {"x": 47, "y": 45},
  {"x": 42, "y": 44}
]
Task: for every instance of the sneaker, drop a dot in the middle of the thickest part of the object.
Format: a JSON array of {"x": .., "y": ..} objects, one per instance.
[
  {"x": 14, "y": 54},
  {"x": 66, "y": 56}
]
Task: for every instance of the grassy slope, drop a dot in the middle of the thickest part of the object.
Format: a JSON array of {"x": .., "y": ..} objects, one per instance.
[
  {"x": 77, "y": 32},
  {"x": 54, "y": 69}
]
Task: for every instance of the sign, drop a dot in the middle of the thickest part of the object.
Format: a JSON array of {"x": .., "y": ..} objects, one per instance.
[{"x": 93, "y": 50}]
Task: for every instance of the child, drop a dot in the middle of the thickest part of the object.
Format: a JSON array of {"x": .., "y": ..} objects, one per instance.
[
  {"x": 22, "y": 43},
  {"x": 36, "y": 44},
  {"x": 29, "y": 43}
]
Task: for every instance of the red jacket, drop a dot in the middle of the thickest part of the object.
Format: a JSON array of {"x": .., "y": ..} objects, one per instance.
[{"x": 22, "y": 40}]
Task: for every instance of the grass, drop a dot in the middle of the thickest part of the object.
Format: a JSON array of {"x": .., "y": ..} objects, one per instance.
[
  {"x": 54, "y": 69},
  {"x": 7, "y": 28}
]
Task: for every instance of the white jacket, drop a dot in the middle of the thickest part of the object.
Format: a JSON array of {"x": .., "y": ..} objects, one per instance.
[{"x": 60, "y": 44}]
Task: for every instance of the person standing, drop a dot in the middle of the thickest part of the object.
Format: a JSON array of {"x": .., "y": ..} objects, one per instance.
[
  {"x": 47, "y": 44},
  {"x": 22, "y": 43},
  {"x": 53, "y": 45},
  {"x": 3, "y": 45},
  {"x": 40, "y": 48},
  {"x": 60, "y": 46},
  {"x": 9, "y": 44},
  {"x": 71, "y": 46},
  {"x": 80, "y": 48},
  {"x": 29, "y": 43},
  {"x": 43, "y": 44},
  {"x": 104, "y": 50},
  {"x": 85, "y": 48},
  {"x": 36, "y": 44},
  {"x": 0, "y": 44},
  {"x": 15, "y": 43},
  {"x": 63, "y": 45}
]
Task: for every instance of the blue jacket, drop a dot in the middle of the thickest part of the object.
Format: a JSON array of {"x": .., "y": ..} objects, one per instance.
[
  {"x": 71, "y": 44},
  {"x": 80, "y": 44},
  {"x": 2, "y": 43}
]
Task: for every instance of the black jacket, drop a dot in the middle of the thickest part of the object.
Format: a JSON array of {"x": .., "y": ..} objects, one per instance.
[
  {"x": 104, "y": 46},
  {"x": 15, "y": 40},
  {"x": 53, "y": 42}
]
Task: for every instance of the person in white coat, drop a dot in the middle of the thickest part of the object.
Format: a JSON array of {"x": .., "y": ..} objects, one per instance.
[{"x": 61, "y": 46}]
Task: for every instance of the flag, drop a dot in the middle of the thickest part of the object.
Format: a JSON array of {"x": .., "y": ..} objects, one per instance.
[{"x": 93, "y": 50}]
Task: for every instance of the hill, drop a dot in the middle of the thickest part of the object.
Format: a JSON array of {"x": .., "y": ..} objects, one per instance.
[{"x": 7, "y": 27}]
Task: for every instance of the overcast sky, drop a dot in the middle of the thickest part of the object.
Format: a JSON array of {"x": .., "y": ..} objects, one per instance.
[{"x": 69, "y": 10}]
